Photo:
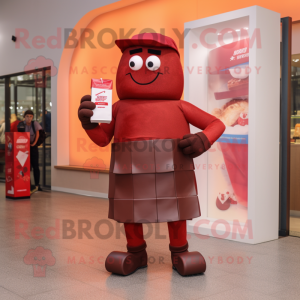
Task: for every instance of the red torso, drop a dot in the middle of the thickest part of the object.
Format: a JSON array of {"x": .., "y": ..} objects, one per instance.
[
  {"x": 149, "y": 119},
  {"x": 155, "y": 119}
]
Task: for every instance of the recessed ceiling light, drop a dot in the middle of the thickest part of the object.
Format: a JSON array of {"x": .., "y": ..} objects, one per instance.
[{"x": 237, "y": 30}]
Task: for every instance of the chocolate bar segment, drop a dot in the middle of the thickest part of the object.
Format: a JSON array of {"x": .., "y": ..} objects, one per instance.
[
  {"x": 142, "y": 154},
  {"x": 185, "y": 183},
  {"x": 145, "y": 211},
  {"x": 167, "y": 209},
  {"x": 151, "y": 194},
  {"x": 165, "y": 185},
  {"x": 188, "y": 208},
  {"x": 144, "y": 186},
  {"x": 123, "y": 210},
  {"x": 122, "y": 156},
  {"x": 164, "y": 152},
  {"x": 123, "y": 186},
  {"x": 111, "y": 208}
]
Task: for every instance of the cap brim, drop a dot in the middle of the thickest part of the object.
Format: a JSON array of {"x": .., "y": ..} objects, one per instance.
[{"x": 123, "y": 44}]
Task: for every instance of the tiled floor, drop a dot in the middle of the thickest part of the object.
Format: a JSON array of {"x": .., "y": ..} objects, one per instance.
[{"x": 234, "y": 270}]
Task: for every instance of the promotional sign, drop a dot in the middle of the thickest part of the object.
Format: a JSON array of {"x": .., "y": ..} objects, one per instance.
[
  {"x": 17, "y": 164},
  {"x": 237, "y": 62},
  {"x": 228, "y": 100}
]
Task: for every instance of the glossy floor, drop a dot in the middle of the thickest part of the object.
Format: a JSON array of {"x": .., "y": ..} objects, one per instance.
[{"x": 75, "y": 263}]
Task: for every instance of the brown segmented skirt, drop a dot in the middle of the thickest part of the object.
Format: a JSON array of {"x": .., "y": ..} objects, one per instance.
[{"x": 151, "y": 181}]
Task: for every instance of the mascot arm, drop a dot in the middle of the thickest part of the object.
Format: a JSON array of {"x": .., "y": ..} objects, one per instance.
[{"x": 212, "y": 128}]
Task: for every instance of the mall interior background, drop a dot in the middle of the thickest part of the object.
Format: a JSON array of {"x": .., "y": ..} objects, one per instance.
[{"x": 46, "y": 19}]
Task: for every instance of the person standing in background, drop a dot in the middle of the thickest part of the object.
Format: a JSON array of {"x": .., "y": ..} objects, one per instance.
[{"x": 34, "y": 153}]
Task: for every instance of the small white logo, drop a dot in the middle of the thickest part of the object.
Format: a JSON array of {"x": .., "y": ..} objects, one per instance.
[
  {"x": 11, "y": 191},
  {"x": 239, "y": 54},
  {"x": 240, "y": 51},
  {"x": 22, "y": 140}
]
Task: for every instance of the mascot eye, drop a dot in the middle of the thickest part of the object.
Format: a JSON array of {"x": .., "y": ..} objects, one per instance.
[
  {"x": 135, "y": 63},
  {"x": 153, "y": 63}
]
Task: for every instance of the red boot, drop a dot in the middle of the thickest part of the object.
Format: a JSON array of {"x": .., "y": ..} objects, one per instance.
[
  {"x": 187, "y": 263},
  {"x": 126, "y": 263}
]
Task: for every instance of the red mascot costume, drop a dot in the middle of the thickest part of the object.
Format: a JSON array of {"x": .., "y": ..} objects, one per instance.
[{"x": 152, "y": 175}]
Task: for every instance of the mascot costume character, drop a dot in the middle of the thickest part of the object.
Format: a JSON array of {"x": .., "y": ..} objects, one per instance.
[{"x": 152, "y": 175}]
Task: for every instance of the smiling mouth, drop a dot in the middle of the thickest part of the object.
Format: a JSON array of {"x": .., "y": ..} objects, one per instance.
[{"x": 144, "y": 83}]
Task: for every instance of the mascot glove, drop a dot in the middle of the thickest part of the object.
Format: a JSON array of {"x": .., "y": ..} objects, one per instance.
[
  {"x": 85, "y": 111},
  {"x": 194, "y": 145}
]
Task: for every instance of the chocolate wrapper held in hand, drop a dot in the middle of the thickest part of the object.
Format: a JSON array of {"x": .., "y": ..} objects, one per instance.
[
  {"x": 194, "y": 145},
  {"x": 85, "y": 111}
]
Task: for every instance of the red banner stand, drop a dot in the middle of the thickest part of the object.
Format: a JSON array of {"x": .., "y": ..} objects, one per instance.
[{"x": 17, "y": 165}]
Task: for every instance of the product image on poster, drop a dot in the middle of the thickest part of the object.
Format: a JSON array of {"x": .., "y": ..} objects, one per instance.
[{"x": 228, "y": 100}]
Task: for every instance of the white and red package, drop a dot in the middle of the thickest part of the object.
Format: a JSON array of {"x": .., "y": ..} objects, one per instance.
[{"x": 101, "y": 94}]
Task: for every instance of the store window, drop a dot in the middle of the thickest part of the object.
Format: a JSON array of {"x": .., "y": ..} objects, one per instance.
[
  {"x": 30, "y": 90},
  {"x": 295, "y": 147}
]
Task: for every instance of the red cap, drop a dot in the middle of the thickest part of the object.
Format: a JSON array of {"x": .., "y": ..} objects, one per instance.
[{"x": 147, "y": 39}]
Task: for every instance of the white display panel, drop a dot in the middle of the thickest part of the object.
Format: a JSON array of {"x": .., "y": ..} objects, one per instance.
[{"x": 232, "y": 70}]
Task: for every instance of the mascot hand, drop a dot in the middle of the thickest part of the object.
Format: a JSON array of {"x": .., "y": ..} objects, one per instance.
[
  {"x": 85, "y": 111},
  {"x": 194, "y": 145}
]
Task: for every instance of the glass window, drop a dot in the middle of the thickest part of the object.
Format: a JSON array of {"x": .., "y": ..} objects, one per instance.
[
  {"x": 295, "y": 147},
  {"x": 295, "y": 97},
  {"x": 2, "y": 128},
  {"x": 27, "y": 92}
]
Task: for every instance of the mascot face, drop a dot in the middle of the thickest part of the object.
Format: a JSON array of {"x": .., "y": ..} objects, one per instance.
[{"x": 152, "y": 73}]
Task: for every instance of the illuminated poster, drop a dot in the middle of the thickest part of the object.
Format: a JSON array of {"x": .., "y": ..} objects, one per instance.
[{"x": 228, "y": 85}]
